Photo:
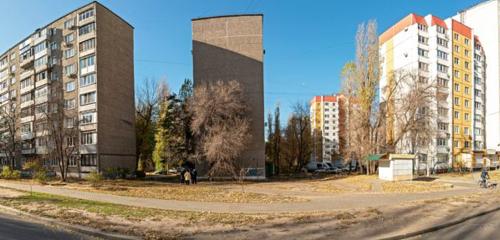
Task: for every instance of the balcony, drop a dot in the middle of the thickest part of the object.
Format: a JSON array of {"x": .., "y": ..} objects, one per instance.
[
  {"x": 86, "y": 149},
  {"x": 27, "y": 62},
  {"x": 27, "y": 89},
  {"x": 42, "y": 150},
  {"x": 27, "y": 119},
  {"x": 27, "y": 135},
  {"x": 28, "y": 151},
  {"x": 40, "y": 83},
  {"x": 41, "y": 99},
  {"x": 27, "y": 73},
  {"x": 442, "y": 149},
  {"x": 27, "y": 103}
]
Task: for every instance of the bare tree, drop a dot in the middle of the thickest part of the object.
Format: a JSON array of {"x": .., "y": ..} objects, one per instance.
[
  {"x": 60, "y": 132},
  {"x": 298, "y": 141},
  {"x": 221, "y": 125},
  {"x": 147, "y": 108},
  {"x": 9, "y": 143}
]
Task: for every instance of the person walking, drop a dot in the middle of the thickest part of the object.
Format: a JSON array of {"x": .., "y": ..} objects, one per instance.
[
  {"x": 181, "y": 176},
  {"x": 187, "y": 177},
  {"x": 194, "y": 175}
]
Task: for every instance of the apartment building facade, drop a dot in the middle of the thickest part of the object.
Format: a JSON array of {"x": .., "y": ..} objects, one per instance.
[
  {"x": 82, "y": 65},
  {"x": 447, "y": 53},
  {"x": 326, "y": 119},
  {"x": 227, "y": 48},
  {"x": 484, "y": 18}
]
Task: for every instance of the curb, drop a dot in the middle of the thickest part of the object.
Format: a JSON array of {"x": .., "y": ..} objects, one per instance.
[
  {"x": 441, "y": 226},
  {"x": 75, "y": 228}
]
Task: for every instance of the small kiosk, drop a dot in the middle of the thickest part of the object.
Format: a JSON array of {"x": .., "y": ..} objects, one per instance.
[{"x": 396, "y": 167}]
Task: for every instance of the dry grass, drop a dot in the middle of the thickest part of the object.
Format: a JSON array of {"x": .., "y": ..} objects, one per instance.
[
  {"x": 414, "y": 186},
  {"x": 204, "y": 192}
]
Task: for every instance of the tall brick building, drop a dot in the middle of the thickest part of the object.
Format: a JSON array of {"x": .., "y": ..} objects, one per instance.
[
  {"x": 229, "y": 48},
  {"x": 85, "y": 59}
]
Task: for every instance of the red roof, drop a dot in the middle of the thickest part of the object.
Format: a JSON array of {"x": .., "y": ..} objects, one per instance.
[
  {"x": 461, "y": 28},
  {"x": 325, "y": 99},
  {"x": 438, "y": 21},
  {"x": 409, "y": 20}
]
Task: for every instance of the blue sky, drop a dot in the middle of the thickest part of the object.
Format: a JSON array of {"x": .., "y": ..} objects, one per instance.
[{"x": 307, "y": 42}]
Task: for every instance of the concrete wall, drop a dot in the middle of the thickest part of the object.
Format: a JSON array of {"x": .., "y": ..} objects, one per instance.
[
  {"x": 115, "y": 91},
  {"x": 230, "y": 48}
]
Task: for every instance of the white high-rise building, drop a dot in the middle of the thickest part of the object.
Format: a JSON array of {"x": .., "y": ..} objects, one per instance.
[{"x": 484, "y": 18}]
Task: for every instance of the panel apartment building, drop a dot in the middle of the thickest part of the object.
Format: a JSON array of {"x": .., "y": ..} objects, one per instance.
[
  {"x": 227, "y": 48},
  {"x": 84, "y": 59},
  {"x": 484, "y": 18},
  {"x": 449, "y": 53},
  {"x": 325, "y": 112}
]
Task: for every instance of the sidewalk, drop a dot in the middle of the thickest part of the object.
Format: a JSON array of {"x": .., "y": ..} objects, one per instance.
[{"x": 317, "y": 203}]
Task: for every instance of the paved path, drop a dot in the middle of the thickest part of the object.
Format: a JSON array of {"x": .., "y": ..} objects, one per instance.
[
  {"x": 317, "y": 203},
  {"x": 484, "y": 227},
  {"x": 17, "y": 228}
]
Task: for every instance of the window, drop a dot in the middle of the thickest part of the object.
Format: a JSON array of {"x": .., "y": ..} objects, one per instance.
[
  {"x": 87, "y": 80},
  {"x": 457, "y": 115},
  {"x": 466, "y": 52},
  {"x": 88, "y": 117},
  {"x": 455, "y": 36},
  {"x": 466, "y": 77},
  {"x": 41, "y": 76},
  {"x": 40, "y": 47},
  {"x": 87, "y": 61},
  {"x": 457, "y": 87},
  {"x": 70, "y": 86},
  {"x": 87, "y": 98},
  {"x": 442, "y": 82},
  {"x": 456, "y": 73},
  {"x": 466, "y": 103},
  {"x": 68, "y": 24},
  {"x": 466, "y": 41},
  {"x": 456, "y": 48},
  {"x": 68, "y": 53},
  {"x": 456, "y": 61},
  {"x": 422, "y": 52},
  {"x": 456, "y": 129},
  {"x": 466, "y": 144},
  {"x": 456, "y": 144},
  {"x": 423, "y": 66},
  {"x": 69, "y": 38},
  {"x": 441, "y": 142},
  {"x": 86, "y": 29},
  {"x": 41, "y": 61},
  {"x": 466, "y": 116},
  {"x": 86, "y": 14},
  {"x": 422, "y": 27},
  {"x": 53, "y": 46},
  {"x": 423, "y": 40},
  {"x": 442, "y": 68},
  {"x": 466, "y": 130},
  {"x": 442, "y": 55},
  {"x": 440, "y": 29},
  {"x": 87, "y": 45},
  {"x": 87, "y": 160},
  {"x": 443, "y": 126},
  {"x": 69, "y": 69},
  {"x": 88, "y": 138},
  {"x": 69, "y": 103},
  {"x": 466, "y": 64},
  {"x": 26, "y": 97},
  {"x": 28, "y": 82},
  {"x": 456, "y": 101},
  {"x": 41, "y": 92},
  {"x": 442, "y": 42},
  {"x": 69, "y": 122}
]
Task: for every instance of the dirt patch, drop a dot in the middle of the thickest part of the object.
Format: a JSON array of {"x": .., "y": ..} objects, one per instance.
[{"x": 7, "y": 193}]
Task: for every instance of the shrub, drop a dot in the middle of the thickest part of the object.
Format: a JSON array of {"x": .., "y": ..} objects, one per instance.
[
  {"x": 8, "y": 173},
  {"x": 114, "y": 173},
  {"x": 140, "y": 174},
  {"x": 95, "y": 179},
  {"x": 38, "y": 172}
]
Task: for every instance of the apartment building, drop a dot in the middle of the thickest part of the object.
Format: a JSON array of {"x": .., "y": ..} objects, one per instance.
[
  {"x": 81, "y": 64},
  {"x": 448, "y": 53},
  {"x": 325, "y": 114},
  {"x": 484, "y": 18},
  {"x": 227, "y": 48}
]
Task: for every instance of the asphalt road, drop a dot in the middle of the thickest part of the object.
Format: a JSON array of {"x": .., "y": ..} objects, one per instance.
[
  {"x": 484, "y": 227},
  {"x": 17, "y": 228}
]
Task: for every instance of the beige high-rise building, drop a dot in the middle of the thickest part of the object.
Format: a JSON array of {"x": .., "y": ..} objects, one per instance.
[
  {"x": 82, "y": 61},
  {"x": 229, "y": 48}
]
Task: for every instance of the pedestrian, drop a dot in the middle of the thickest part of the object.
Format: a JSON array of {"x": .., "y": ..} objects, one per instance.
[
  {"x": 187, "y": 177},
  {"x": 181, "y": 176},
  {"x": 194, "y": 175}
]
